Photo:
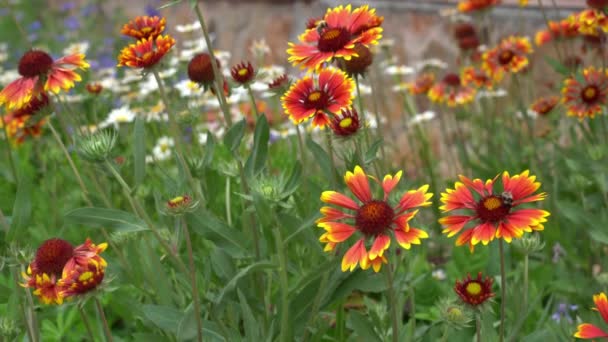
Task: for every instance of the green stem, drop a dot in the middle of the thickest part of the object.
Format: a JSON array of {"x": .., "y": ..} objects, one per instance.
[
  {"x": 252, "y": 99},
  {"x": 29, "y": 314},
  {"x": 87, "y": 325},
  {"x": 195, "y": 298},
  {"x": 301, "y": 146},
  {"x": 525, "y": 296},
  {"x": 315, "y": 306},
  {"x": 104, "y": 321},
  {"x": 218, "y": 77},
  {"x": 392, "y": 303},
  {"x": 361, "y": 110},
  {"x": 83, "y": 188},
  {"x": 283, "y": 282},
  {"x": 330, "y": 151},
  {"x": 412, "y": 332},
  {"x": 478, "y": 327},
  {"x": 9, "y": 153},
  {"x": 503, "y": 284},
  {"x": 446, "y": 332},
  {"x": 228, "y": 206}
]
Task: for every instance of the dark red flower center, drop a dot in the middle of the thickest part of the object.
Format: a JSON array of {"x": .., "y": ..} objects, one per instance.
[
  {"x": 333, "y": 39},
  {"x": 35, "y": 63},
  {"x": 452, "y": 80},
  {"x": 52, "y": 256},
  {"x": 590, "y": 94},
  {"x": 374, "y": 217},
  {"x": 317, "y": 99},
  {"x": 492, "y": 208},
  {"x": 598, "y": 4},
  {"x": 505, "y": 56}
]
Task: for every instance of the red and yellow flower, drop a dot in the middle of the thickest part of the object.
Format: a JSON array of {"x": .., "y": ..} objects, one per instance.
[
  {"x": 144, "y": 27},
  {"x": 372, "y": 220},
  {"x": 145, "y": 53},
  {"x": 422, "y": 84},
  {"x": 545, "y": 104},
  {"x": 474, "y": 291},
  {"x": 451, "y": 91},
  {"x": 346, "y": 124},
  {"x": 242, "y": 73},
  {"x": 585, "y": 99},
  {"x": 60, "y": 271},
  {"x": 319, "y": 100},
  {"x": 509, "y": 56},
  {"x": 476, "y": 5},
  {"x": 588, "y": 330},
  {"x": 590, "y": 21},
  {"x": 564, "y": 29},
  {"x": 336, "y": 36},
  {"x": 485, "y": 215},
  {"x": 19, "y": 128},
  {"x": 41, "y": 73},
  {"x": 476, "y": 77}
]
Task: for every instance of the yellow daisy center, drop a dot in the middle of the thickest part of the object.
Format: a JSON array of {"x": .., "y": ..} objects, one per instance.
[
  {"x": 314, "y": 96},
  {"x": 473, "y": 288},
  {"x": 243, "y": 72},
  {"x": 346, "y": 122},
  {"x": 492, "y": 203}
]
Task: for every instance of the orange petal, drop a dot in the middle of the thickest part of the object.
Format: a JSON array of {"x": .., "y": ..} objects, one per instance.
[
  {"x": 359, "y": 185},
  {"x": 336, "y": 198},
  {"x": 381, "y": 243},
  {"x": 357, "y": 253},
  {"x": 588, "y": 331},
  {"x": 412, "y": 236}
]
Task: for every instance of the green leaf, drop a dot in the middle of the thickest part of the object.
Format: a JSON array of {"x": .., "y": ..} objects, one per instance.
[
  {"x": 362, "y": 326},
  {"x": 259, "y": 153},
  {"x": 599, "y": 236},
  {"x": 208, "y": 225},
  {"x": 235, "y": 134},
  {"x": 249, "y": 322},
  {"x": 558, "y": 66},
  {"x": 105, "y": 218},
  {"x": 293, "y": 182},
  {"x": 321, "y": 157},
  {"x": 187, "y": 326},
  {"x": 169, "y": 4},
  {"x": 164, "y": 317},
  {"x": 22, "y": 209},
  {"x": 139, "y": 150},
  {"x": 209, "y": 150},
  {"x": 242, "y": 273},
  {"x": 370, "y": 154}
]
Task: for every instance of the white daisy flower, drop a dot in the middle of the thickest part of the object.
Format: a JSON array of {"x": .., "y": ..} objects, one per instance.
[
  {"x": 162, "y": 149},
  {"x": 190, "y": 27},
  {"x": 399, "y": 70},
  {"x": 74, "y": 48},
  {"x": 117, "y": 116}
]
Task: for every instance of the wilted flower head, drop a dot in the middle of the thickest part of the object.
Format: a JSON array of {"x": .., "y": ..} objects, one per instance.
[
  {"x": 544, "y": 105},
  {"x": 451, "y": 91},
  {"x": 357, "y": 65}
]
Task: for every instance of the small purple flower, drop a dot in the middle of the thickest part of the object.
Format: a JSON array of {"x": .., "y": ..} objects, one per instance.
[
  {"x": 68, "y": 6},
  {"x": 558, "y": 252},
  {"x": 563, "y": 311},
  {"x": 34, "y": 26},
  {"x": 152, "y": 11},
  {"x": 71, "y": 23}
]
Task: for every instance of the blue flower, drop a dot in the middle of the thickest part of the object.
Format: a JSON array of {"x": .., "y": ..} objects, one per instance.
[
  {"x": 71, "y": 23},
  {"x": 35, "y": 26}
]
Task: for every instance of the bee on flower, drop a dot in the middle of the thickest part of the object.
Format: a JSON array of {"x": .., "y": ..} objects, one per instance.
[{"x": 372, "y": 220}]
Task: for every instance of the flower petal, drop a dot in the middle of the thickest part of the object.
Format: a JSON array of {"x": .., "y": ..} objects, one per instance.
[
  {"x": 356, "y": 254},
  {"x": 336, "y": 198},
  {"x": 588, "y": 331},
  {"x": 359, "y": 185},
  {"x": 381, "y": 243}
]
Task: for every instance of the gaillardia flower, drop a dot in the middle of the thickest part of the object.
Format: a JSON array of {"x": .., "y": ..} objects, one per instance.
[
  {"x": 585, "y": 99},
  {"x": 19, "y": 128},
  {"x": 372, "y": 219},
  {"x": 242, "y": 73},
  {"x": 476, "y": 5},
  {"x": 146, "y": 53},
  {"x": 485, "y": 215},
  {"x": 60, "y": 271},
  {"x": 144, "y": 27},
  {"x": 422, "y": 84},
  {"x": 590, "y": 21},
  {"x": 41, "y": 73},
  {"x": 451, "y": 91},
  {"x": 565, "y": 29},
  {"x": 332, "y": 93},
  {"x": 200, "y": 69},
  {"x": 474, "y": 76},
  {"x": 336, "y": 36},
  {"x": 474, "y": 291},
  {"x": 346, "y": 124},
  {"x": 544, "y": 105},
  {"x": 509, "y": 56},
  {"x": 587, "y": 330}
]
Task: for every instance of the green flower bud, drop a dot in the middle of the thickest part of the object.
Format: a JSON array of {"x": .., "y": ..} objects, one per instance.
[
  {"x": 454, "y": 314},
  {"x": 530, "y": 243},
  {"x": 97, "y": 147}
]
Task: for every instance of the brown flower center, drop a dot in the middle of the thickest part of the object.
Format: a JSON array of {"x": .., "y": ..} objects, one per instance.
[
  {"x": 492, "y": 208},
  {"x": 35, "y": 63},
  {"x": 452, "y": 80},
  {"x": 505, "y": 57},
  {"x": 590, "y": 94},
  {"x": 374, "y": 217},
  {"x": 52, "y": 256},
  {"x": 333, "y": 39}
]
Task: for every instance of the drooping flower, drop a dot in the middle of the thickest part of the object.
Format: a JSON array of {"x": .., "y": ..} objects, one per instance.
[
  {"x": 476, "y": 5},
  {"x": 588, "y": 330},
  {"x": 357, "y": 65},
  {"x": 200, "y": 69},
  {"x": 451, "y": 91},
  {"x": 242, "y": 73},
  {"x": 40, "y": 73},
  {"x": 585, "y": 99},
  {"x": 485, "y": 215},
  {"x": 145, "y": 53},
  {"x": 372, "y": 220},
  {"x": 544, "y": 105},
  {"x": 346, "y": 124},
  {"x": 60, "y": 271},
  {"x": 306, "y": 98},
  {"x": 474, "y": 291},
  {"x": 509, "y": 56},
  {"x": 336, "y": 36},
  {"x": 144, "y": 27}
]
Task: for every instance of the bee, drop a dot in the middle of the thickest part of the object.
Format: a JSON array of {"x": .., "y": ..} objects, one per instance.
[
  {"x": 321, "y": 26},
  {"x": 507, "y": 198}
]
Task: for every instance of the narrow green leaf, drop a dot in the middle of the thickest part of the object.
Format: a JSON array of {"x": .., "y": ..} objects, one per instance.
[
  {"x": 242, "y": 273},
  {"x": 293, "y": 182},
  {"x": 105, "y": 218},
  {"x": 321, "y": 157},
  {"x": 235, "y": 134},
  {"x": 249, "y": 322},
  {"x": 308, "y": 223},
  {"x": 22, "y": 209},
  {"x": 372, "y": 151},
  {"x": 209, "y": 150},
  {"x": 362, "y": 326},
  {"x": 208, "y": 225},
  {"x": 164, "y": 317},
  {"x": 259, "y": 153},
  {"x": 186, "y": 329},
  {"x": 139, "y": 150},
  {"x": 558, "y": 66}
]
